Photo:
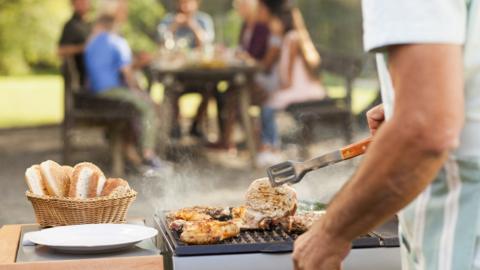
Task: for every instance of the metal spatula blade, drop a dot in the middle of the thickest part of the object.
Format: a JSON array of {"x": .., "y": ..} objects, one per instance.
[
  {"x": 283, "y": 173},
  {"x": 292, "y": 172}
]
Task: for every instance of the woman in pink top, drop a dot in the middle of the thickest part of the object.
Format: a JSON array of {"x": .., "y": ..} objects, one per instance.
[{"x": 294, "y": 70}]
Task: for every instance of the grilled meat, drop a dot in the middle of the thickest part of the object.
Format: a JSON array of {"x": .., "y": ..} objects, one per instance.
[
  {"x": 199, "y": 213},
  {"x": 302, "y": 221},
  {"x": 208, "y": 232},
  {"x": 177, "y": 225},
  {"x": 268, "y": 206}
]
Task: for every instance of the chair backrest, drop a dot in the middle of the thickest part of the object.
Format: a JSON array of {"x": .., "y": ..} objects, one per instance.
[
  {"x": 72, "y": 85},
  {"x": 347, "y": 67}
]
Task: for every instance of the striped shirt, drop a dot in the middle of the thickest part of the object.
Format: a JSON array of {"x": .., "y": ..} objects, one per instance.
[{"x": 440, "y": 229}]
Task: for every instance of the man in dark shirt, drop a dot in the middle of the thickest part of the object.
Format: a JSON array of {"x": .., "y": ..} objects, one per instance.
[{"x": 74, "y": 36}]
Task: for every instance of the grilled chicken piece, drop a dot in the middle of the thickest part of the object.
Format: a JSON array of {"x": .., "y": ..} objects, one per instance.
[
  {"x": 268, "y": 206},
  {"x": 177, "y": 225},
  {"x": 208, "y": 232},
  {"x": 302, "y": 221},
  {"x": 199, "y": 213},
  {"x": 238, "y": 217}
]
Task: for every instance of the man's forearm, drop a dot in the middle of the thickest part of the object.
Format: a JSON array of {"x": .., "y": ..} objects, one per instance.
[
  {"x": 376, "y": 193},
  {"x": 407, "y": 151}
]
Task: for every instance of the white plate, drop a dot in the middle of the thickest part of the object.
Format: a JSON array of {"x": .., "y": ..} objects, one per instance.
[{"x": 92, "y": 238}]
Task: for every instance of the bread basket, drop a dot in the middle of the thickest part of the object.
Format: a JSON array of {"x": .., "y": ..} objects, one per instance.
[{"x": 57, "y": 211}]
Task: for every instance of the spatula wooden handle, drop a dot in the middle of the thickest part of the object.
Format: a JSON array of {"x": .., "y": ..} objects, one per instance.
[{"x": 355, "y": 149}]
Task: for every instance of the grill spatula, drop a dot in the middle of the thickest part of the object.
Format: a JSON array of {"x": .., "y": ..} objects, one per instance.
[{"x": 292, "y": 172}]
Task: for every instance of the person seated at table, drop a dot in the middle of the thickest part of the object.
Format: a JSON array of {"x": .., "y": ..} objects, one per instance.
[
  {"x": 110, "y": 67},
  {"x": 294, "y": 77},
  {"x": 254, "y": 33},
  {"x": 74, "y": 36},
  {"x": 253, "y": 41},
  {"x": 189, "y": 24},
  {"x": 195, "y": 29}
]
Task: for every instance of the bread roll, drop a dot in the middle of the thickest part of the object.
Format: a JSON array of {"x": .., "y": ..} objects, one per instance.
[
  {"x": 87, "y": 181},
  {"x": 267, "y": 205},
  {"x": 34, "y": 179},
  {"x": 68, "y": 170},
  {"x": 55, "y": 178},
  {"x": 115, "y": 187}
]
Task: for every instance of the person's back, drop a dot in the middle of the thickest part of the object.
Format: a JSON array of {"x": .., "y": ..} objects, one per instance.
[
  {"x": 106, "y": 54},
  {"x": 74, "y": 36}
]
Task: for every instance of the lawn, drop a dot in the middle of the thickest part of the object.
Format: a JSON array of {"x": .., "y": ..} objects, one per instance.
[{"x": 38, "y": 100}]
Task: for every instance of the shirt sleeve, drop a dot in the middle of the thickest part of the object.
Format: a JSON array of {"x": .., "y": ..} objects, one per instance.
[
  {"x": 393, "y": 22},
  {"x": 164, "y": 25},
  {"x": 206, "y": 23},
  {"x": 123, "y": 54},
  {"x": 70, "y": 35}
]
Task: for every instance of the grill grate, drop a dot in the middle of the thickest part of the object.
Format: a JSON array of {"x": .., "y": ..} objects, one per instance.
[{"x": 250, "y": 241}]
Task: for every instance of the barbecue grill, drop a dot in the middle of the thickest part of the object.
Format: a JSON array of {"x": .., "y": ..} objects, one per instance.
[{"x": 271, "y": 249}]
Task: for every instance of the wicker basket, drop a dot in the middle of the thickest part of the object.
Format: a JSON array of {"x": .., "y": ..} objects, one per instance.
[{"x": 56, "y": 211}]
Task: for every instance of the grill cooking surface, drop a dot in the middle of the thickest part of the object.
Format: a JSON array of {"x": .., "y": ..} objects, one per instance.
[{"x": 265, "y": 241}]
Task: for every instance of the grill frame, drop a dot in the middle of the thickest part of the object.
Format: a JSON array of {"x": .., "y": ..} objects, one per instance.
[{"x": 234, "y": 246}]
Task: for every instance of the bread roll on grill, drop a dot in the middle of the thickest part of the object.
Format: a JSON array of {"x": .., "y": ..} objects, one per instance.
[{"x": 267, "y": 205}]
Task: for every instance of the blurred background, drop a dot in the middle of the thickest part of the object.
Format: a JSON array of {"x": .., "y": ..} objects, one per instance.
[
  {"x": 32, "y": 101},
  {"x": 30, "y": 30}
]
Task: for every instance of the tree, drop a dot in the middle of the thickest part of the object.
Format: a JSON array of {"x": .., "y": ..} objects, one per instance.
[{"x": 29, "y": 31}]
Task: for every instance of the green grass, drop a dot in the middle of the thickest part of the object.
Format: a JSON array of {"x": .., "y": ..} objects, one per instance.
[
  {"x": 38, "y": 100},
  {"x": 30, "y": 100}
]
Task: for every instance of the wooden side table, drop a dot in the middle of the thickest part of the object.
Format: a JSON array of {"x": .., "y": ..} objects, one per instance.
[{"x": 10, "y": 236}]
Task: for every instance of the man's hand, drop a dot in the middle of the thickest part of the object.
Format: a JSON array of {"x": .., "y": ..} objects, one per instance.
[
  {"x": 316, "y": 250},
  {"x": 375, "y": 118},
  {"x": 405, "y": 157}
]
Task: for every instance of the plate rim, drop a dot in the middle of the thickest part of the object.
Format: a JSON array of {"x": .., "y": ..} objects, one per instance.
[{"x": 152, "y": 233}]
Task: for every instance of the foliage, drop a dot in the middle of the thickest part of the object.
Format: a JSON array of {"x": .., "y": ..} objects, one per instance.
[
  {"x": 335, "y": 25},
  {"x": 29, "y": 31},
  {"x": 141, "y": 29}
]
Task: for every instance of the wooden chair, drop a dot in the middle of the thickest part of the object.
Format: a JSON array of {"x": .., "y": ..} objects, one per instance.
[
  {"x": 334, "y": 110},
  {"x": 85, "y": 110}
]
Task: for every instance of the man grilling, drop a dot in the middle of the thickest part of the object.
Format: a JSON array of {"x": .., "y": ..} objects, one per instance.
[{"x": 424, "y": 161}]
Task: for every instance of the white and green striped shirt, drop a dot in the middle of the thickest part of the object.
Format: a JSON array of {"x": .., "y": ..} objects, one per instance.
[{"x": 440, "y": 230}]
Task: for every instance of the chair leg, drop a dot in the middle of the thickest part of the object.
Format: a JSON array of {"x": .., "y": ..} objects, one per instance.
[
  {"x": 67, "y": 143},
  {"x": 247, "y": 124},
  {"x": 118, "y": 163},
  {"x": 165, "y": 122},
  {"x": 306, "y": 138},
  {"x": 348, "y": 128}
]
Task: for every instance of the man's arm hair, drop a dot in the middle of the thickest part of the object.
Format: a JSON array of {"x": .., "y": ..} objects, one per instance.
[{"x": 408, "y": 151}]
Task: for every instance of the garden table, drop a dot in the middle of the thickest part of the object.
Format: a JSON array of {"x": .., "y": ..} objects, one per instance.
[{"x": 239, "y": 78}]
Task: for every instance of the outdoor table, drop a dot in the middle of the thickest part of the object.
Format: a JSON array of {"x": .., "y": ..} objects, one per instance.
[
  {"x": 239, "y": 77},
  {"x": 13, "y": 255}
]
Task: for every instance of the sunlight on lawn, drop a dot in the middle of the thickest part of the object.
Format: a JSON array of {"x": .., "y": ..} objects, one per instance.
[
  {"x": 30, "y": 100},
  {"x": 38, "y": 100}
]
